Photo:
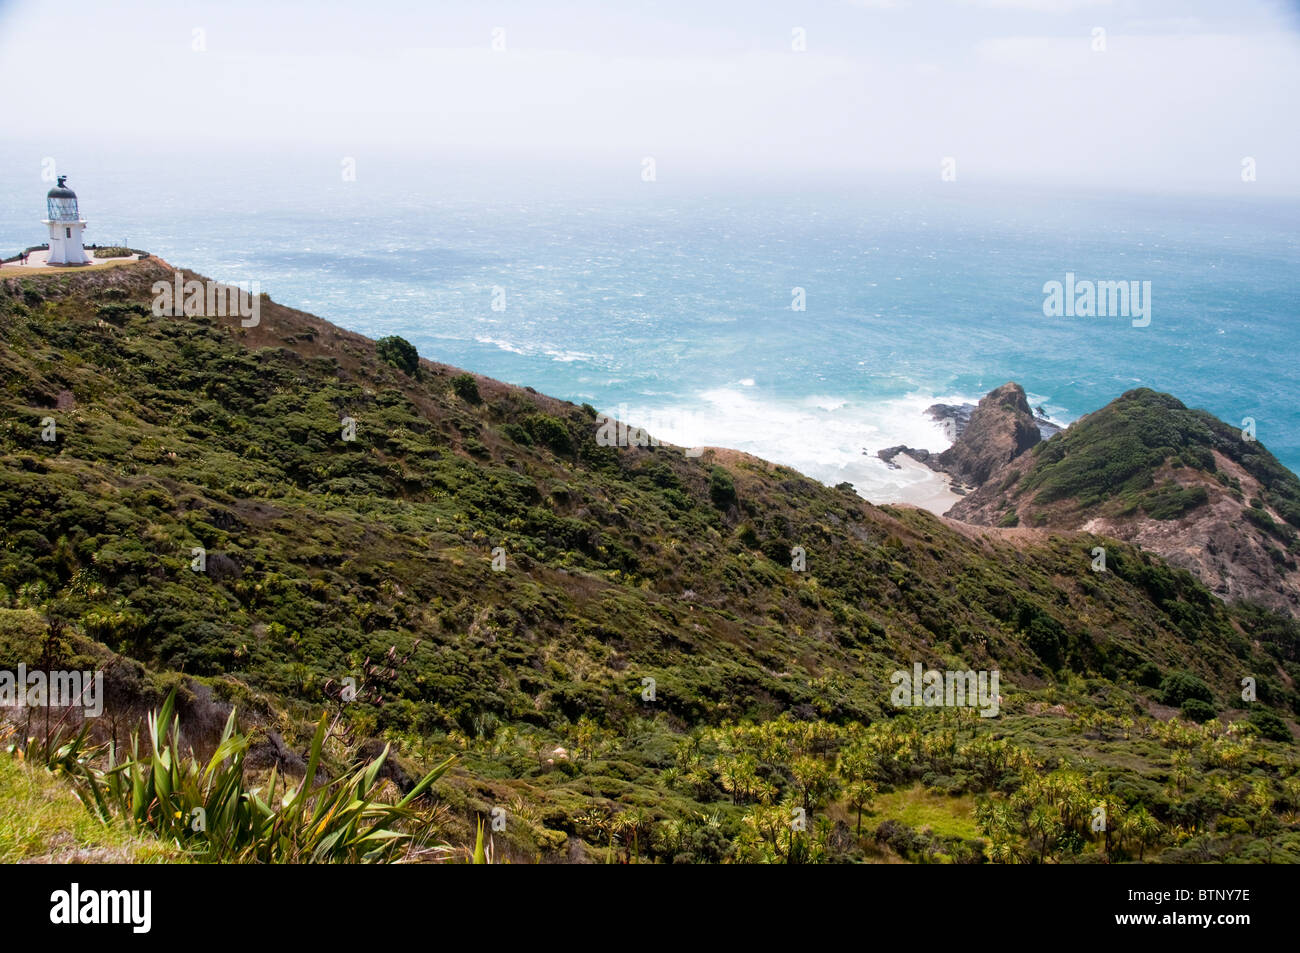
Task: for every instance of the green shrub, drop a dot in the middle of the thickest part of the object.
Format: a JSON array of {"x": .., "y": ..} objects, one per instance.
[
  {"x": 518, "y": 434},
  {"x": 1148, "y": 674},
  {"x": 1270, "y": 725},
  {"x": 465, "y": 387},
  {"x": 22, "y": 634},
  {"x": 1044, "y": 638},
  {"x": 549, "y": 432},
  {"x": 1289, "y": 510},
  {"x": 1199, "y": 458},
  {"x": 1172, "y": 501},
  {"x": 117, "y": 313},
  {"x": 1178, "y": 687},
  {"x": 1196, "y": 710},
  {"x": 400, "y": 353},
  {"x": 778, "y": 550},
  {"x": 1262, "y": 520},
  {"x": 722, "y": 489},
  {"x": 1232, "y": 825}
]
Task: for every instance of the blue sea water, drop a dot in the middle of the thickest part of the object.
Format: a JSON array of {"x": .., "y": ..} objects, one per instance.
[{"x": 670, "y": 302}]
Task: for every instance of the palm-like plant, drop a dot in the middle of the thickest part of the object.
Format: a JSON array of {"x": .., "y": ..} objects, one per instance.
[
  {"x": 1045, "y": 824},
  {"x": 1140, "y": 826},
  {"x": 207, "y": 809},
  {"x": 861, "y": 795}
]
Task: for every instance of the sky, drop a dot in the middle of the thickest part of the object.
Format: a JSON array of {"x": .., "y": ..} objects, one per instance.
[{"x": 1133, "y": 94}]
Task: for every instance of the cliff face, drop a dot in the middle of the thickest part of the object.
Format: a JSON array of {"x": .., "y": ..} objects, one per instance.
[
  {"x": 1001, "y": 428},
  {"x": 1178, "y": 482}
]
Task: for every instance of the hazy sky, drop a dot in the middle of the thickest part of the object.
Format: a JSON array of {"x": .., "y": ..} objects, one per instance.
[{"x": 1011, "y": 89}]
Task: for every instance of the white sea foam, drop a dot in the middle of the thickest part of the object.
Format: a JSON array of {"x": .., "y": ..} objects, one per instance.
[
  {"x": 502, "y": 345},
  {"x": 831, "y": 438},
  {"x": 561, "y": 355},
  {"x": 567, "y": 357}
]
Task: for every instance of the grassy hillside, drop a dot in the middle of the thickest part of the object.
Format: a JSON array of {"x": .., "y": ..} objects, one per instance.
[{"x": 372, "y": 559}]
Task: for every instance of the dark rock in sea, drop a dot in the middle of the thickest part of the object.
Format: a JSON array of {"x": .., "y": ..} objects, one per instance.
[
  {"x": 1046, "y": 429},
  {"x": 954, "y": 418},
  {"x": 888, "y": 454}
]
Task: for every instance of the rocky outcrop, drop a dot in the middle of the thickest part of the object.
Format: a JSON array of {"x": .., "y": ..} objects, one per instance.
[
  {"x": 956, "y": 417},
  {"x": 1177, "y": 482},
  {"x": 986, "y": 436},
  {"x": 1000, "y": 428}
]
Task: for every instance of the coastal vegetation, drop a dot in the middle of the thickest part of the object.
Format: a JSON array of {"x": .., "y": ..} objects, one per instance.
[
  {"x": 1110, "y": 457},
  {"x": 248, "y": 529}
]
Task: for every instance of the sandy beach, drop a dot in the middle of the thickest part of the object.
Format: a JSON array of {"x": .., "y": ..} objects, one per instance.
[{"x": 917, "y": 485}]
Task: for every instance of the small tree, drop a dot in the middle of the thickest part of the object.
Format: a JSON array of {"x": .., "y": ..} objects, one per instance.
[
  {"x": 861, "y": 795},
  {"x": 1045, "y": 824},
  {"x": 1141, "y": 827},
  {"x": 813, "y": 780},
  {"x": 399, "y": 352},
  {"x": 466, "y": 388},
  {"x": 722, "y": 490},
  {"x": 1177, "y": 687}
]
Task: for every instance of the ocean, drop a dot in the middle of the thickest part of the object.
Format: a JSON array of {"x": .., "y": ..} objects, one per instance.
[{"x": 675, "y": 303}]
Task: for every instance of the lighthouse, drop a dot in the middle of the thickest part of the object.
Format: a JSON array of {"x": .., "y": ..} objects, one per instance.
[{"x": 66, "y": 226}]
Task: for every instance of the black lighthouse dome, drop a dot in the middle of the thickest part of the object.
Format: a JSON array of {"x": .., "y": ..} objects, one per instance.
[
  {"x": 62, "y": 203},
  {"x": 61, "y": 191}
]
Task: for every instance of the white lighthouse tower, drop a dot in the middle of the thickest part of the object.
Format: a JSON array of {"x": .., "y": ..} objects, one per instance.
[{"x": 66, "y": 226}]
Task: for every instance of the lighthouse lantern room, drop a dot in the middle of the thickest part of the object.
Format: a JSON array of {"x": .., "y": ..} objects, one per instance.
[{"x": 66, "y": 226}]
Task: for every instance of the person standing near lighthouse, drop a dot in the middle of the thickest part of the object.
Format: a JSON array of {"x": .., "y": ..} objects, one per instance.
[{"x": 66, "y": 226}]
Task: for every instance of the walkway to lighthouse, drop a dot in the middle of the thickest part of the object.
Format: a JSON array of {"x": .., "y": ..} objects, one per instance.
[{"x": 37, "y": 261}]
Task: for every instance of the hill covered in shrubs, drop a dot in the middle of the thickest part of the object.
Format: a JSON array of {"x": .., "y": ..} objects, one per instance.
[
  {"x": 633, "y": 653},
  {"x": 1177, "y": 481}
]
